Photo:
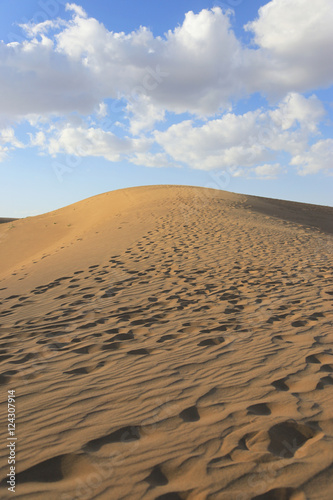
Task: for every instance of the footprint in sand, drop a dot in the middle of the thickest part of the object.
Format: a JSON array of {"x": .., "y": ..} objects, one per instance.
[
  {"x": 84, "y": 370},
  {"x": 279, "y": 494},
  {"x": 165, "y": 338},
  {"x": 211, "y": 342},
  {"x": 123, "y": 435},
  {"x": 138, "y": 352},
  {"x": 56, "y": 469},
  {"x": 287, "y": 437},
  {"x": 190, "y": 414},
  {"x": 156, "y": 477},
  {"x": 298, "y": 323},
  {"x": 259, "y": 409},
  {"x": 280, "y": 384}
]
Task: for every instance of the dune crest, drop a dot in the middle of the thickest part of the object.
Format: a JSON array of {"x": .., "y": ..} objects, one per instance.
[{"x": 169, "y": 342}]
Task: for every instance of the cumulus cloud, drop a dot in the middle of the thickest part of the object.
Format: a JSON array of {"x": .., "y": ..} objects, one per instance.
[
  {"x": 79, "y": 11},
  {"x": 198, "y": 67},
  {"x": 268, "y": 171},
  {"x": 33, "y": 30},
  {"x": 245, "y": 140},
  {"x": 317, "y": 159},
  {"x": 224, "y": 142},
  {"x": 193, "y": 68},
  {"x": 143, "y": 114},
  {"x": 38, "y": 139},
  {"x": 294, "y": 39},
  {"x": 295, "y": 108},
  {"x": 7, "y": 136},
  {"x": 69, "y": 69},
  {"x": 245, "y": 144},
  {"x": 35, "y": 79},
  {"x": 79, "y": 141},
  {"x": 8, "y": 142},
  {"x": 293, "y": 28}
]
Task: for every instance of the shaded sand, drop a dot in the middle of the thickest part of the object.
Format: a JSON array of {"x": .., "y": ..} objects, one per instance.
[
  {"x": 6, "y": 219},
  {"x": 169, "y": 343}
]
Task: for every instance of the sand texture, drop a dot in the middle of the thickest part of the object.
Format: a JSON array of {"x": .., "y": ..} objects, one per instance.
[{"x": 171, "y": 343}]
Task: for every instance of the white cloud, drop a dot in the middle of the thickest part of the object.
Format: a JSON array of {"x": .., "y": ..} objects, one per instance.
[
  {"x": 295, "y": 39},
  {"x": 7, "y": 136},
  {"x": 224, "y": 142},
  {"x": 79, "y": 11},
  {"x": 317, "y": 159},
  {"x": 198, "y": 67},
  {"x": 79, "y": 141},
  {"x": 102, "y": 110},
  {"x": 268, "y": 171},
  {"x": 246, "y": 144},
  {"x": 8, "y": 142},
  {"x": 296, "y": 108},
  {"x": 68, "y": 69},
  {"x": 237, "y": 141},
  {"x": 38, "y": 140},
  {"x": 201, "y": 58},
  {"x": 143, "y": 114},
  {"x": 33, "y": 30},
  {"x": 289, "y": 26},
  {"x": 37, "y": 80}
]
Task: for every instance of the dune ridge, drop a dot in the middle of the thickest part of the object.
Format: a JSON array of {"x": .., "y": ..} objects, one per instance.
[{"x": 169, "y": 342}]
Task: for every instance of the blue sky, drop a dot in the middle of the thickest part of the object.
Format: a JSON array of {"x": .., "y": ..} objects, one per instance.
[{"x": 96, "y": 96}]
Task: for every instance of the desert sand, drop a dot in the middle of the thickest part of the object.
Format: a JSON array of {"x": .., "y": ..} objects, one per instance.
[{"x": 169, "y": 342}]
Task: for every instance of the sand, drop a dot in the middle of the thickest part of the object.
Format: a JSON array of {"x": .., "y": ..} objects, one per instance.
[{"x": 169, "y": 342}]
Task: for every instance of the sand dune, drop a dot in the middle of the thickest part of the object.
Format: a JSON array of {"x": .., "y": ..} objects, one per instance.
[{"x": 169, "y": 342}]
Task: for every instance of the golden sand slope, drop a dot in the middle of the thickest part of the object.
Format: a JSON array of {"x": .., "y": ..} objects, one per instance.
[{"x": 169, "y": 343}]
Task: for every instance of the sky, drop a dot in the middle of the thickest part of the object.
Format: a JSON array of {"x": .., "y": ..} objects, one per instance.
[{"x": 96, "y": 96}]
